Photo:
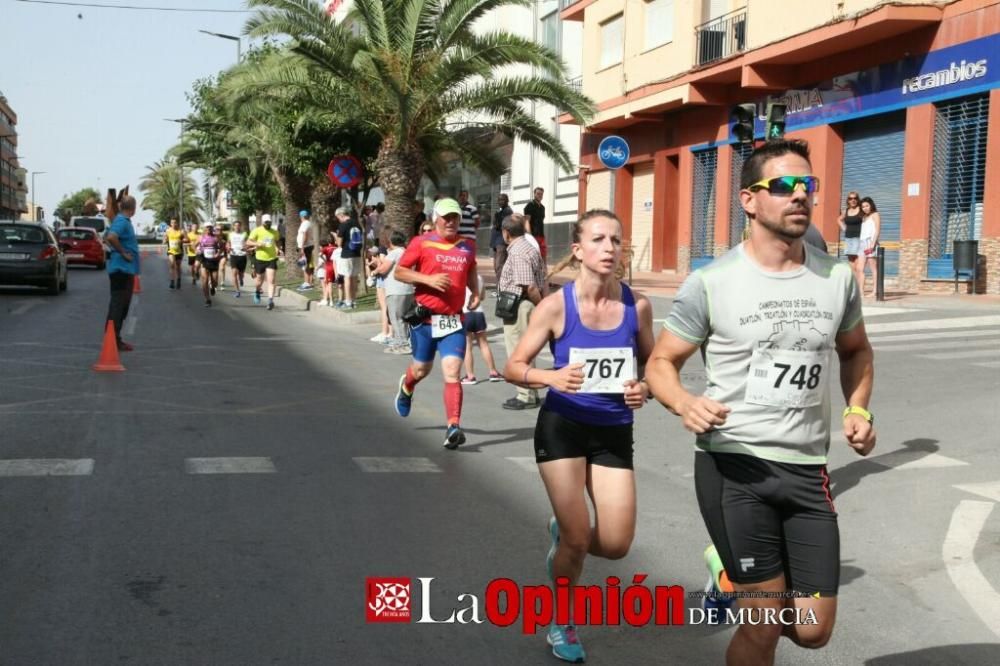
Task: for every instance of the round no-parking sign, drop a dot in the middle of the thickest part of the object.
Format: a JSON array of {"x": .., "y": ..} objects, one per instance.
[{"x": 345, "y": 171}]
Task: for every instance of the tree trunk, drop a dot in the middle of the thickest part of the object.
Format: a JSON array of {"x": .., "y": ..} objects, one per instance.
[
  {"x": 325, "y": 201},
  {"x": 295, "y": 192},
  {"x": 399, "y": 172}
]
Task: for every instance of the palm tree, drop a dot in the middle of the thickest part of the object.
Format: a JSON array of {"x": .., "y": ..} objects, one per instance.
[
  {"x": 423, "y": 81},
  {"x": 161, "y": 191}
]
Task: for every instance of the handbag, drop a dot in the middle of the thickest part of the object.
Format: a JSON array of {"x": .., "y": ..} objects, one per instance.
[{"x": 507, "y": 305}]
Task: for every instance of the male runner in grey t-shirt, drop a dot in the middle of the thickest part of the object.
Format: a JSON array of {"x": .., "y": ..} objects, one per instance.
[{"x": 766, "y": 317}]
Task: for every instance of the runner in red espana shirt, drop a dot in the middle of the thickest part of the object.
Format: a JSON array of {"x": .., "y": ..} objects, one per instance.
[{"x": 440, "y": 265}]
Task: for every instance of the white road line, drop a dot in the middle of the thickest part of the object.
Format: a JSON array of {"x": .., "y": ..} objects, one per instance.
[
  {"x": 47, "y": 467},
  {"x": 527, "y": 463},
  {"x": 988, "y": 490},
  {"x": 875, "y": 311},
  {"x": 910, "y": 459},
  {"x": 935, "y": 324},
  {"x": 935, "y": 335},
  {"x": 229, "y": 466},
  {"x": 935, "y": 345},
  {"x": 957, "y": 552},
  {"x": 24, "y": 307},
  {"x": 991, "y": 364},
  {"x": 376, "y": 464},
  {"x": 961, "y": 355}
]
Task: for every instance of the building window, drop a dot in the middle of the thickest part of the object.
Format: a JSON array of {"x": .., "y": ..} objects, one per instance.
[
  {"x": 612, "y": 44},
  {"x": 550, "y": 32},
  {"x": 659, "y": 23}
]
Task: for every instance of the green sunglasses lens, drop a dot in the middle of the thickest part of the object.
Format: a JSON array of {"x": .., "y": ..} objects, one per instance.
[{"x": 787, "y": 184}]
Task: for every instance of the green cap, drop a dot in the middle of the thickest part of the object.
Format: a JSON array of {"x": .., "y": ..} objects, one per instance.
[{"x": 444, "y": 207}]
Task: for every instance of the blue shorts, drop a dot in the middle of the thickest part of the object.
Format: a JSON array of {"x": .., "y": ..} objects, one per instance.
[
  {"x": 475, "y": 322},
  {"x": 424, "y": 346}
]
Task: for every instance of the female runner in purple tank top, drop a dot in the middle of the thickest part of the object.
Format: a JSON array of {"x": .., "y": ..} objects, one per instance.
[{"x": 601, "y": 334}]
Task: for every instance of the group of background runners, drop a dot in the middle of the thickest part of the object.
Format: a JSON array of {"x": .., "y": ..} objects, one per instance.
[{"x": 766, "y": 317}]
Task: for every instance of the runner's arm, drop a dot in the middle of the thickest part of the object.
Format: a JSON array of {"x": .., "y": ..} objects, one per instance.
[
  {"x": 698, "y": 414},
  {"x": 857, "y": 376},
  {"x": 541, "y": 327}
]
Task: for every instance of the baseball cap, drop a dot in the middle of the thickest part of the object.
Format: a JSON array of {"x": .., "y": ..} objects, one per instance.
[
  {"x": 265, "y": 218},
  {"x": 303, "y": 213},
  {"x": 342, "y": 211},
  {"x": 444, "y": 207}
]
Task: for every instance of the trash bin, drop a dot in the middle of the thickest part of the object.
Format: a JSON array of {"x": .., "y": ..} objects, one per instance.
[{"x": 965, "y": 259}]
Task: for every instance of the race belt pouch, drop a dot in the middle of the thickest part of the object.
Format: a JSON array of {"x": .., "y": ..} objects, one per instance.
[
  {"x": 507, "y": 304},
  {"x": 417, "y": 314}
]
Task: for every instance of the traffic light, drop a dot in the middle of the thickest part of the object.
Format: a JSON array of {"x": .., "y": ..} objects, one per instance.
[
  {"x": 775, "y": 128},
  {"x": 743, "y": 114}
]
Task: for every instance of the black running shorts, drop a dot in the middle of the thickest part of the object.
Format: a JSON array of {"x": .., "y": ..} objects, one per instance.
[
  {"x": 191, "y": 259},
  {"x": 260, "y": 265},
  {"x": 210, "y": 265},
  {"x": 768, "y": 518},
  {"x": 238, "y": 262},
  {"x": 557, "y": 437}
]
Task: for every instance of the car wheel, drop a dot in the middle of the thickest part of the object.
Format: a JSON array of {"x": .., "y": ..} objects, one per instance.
[
  {"x": 65, "y": 281},
  {"x": 53, "y": 287}
]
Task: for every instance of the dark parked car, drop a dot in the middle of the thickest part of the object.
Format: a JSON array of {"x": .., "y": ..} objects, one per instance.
[
  {"x": 30, "y": 255},
  {"x": 82, "y": 246}
]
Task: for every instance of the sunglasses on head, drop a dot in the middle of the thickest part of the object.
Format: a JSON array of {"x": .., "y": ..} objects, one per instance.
[{"x": 787, "y": 184}]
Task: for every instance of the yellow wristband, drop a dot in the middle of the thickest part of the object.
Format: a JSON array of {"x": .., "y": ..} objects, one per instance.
[{"x": 860, "y": 411}]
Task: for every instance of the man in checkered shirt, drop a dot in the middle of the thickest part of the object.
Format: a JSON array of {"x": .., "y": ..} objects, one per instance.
[{"x": 523, "y": 273}]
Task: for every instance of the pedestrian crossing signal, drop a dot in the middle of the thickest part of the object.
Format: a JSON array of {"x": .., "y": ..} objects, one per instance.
[
  {"x": 743, "y": 115},
  {"x": 775, "y": 128}
]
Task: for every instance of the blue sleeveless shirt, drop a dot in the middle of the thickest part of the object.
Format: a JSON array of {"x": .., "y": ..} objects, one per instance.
[{"x": 592, "y": 408}]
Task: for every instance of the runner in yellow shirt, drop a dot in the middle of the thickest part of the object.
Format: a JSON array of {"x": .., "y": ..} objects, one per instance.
[
  {"x": 193, "y": 235},
  {"x": 264, "y": 241},
  {"x": 174, "y": 241}
]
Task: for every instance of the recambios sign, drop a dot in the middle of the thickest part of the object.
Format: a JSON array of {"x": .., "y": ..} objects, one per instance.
[{"x": 962, "y": 71}]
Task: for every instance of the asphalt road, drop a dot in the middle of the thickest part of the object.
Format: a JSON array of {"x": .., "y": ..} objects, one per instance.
[{"x": 120, "y": 545}]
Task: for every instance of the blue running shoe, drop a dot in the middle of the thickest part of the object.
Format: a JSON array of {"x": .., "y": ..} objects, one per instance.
[
  {"x": 714, "y": 597},
  {"x": 403, "y": 399},
  {"x": 454, "y": 438},
  {"x": 256, "y": 299},
  {"x": 554, "y": 535},
  {"x": 566, "y": 644}
]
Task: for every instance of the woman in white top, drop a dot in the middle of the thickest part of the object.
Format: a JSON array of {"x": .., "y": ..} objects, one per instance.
[{"x": 871, "y": 226}]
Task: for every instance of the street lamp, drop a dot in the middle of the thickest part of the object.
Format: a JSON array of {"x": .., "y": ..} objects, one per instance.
[
  {"x": 34, "y": 203},
  {"x": 233, "y": 38},
  {"x": 180, "y": 196}
]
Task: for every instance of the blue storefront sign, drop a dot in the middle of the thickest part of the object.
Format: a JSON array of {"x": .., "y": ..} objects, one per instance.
[
  {"x": 955, "y": 71},
  {"x": 613, "y": 152}
]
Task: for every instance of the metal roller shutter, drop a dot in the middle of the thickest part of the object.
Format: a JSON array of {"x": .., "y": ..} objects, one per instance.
[
  {"x": 873, "y": 166},
  {"x": 599, "y": 190},
  {"x": 737, "y": 218},
  {"x": 703, "y": 207},
  {"x": 642, "y": 218},
  {"x": 958, "y": 180}
]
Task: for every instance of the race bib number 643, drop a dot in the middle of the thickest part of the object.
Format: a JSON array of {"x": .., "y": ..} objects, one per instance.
[
  {"x": 442, "y": 325},
  {"x": 785, "y": 378}
]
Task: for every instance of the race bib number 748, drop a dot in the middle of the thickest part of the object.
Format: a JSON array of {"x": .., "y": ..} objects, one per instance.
[{"x": 785, "y": 378}]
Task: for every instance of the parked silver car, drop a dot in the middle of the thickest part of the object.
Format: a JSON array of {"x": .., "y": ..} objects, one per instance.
[{"x": 31, "y": 255}]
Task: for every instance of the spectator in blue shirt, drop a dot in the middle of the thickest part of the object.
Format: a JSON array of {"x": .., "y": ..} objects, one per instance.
[{"x": 123, "y": 266}]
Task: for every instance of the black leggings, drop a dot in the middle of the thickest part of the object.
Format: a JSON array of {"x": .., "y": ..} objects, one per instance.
[{"x": 121, "y": 299}]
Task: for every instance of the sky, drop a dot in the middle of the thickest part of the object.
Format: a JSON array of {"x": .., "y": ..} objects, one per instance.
[{"x": 91, "y": 93}]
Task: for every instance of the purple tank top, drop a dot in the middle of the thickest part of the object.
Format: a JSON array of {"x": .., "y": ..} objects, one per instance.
[{"x": 592, "y": 408}]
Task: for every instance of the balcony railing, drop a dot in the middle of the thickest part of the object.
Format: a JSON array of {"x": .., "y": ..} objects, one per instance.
[
  {"x": 563, "y": 4},
  {"x": 721, "y": 37},
  {"x": 576, "y": 83}
]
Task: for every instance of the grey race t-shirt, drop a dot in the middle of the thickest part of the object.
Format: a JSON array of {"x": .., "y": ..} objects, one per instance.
[
  {"x": 766, "y": 339},
  {"x": 394, "y": 287}
]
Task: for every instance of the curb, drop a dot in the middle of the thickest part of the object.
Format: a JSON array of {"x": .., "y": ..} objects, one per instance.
[{"x": 316, "y": 310}]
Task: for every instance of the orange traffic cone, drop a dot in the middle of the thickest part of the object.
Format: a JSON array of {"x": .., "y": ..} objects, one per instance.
[
  {"x": 136, "y": 286},
  {"x": 108, "y": 360}
]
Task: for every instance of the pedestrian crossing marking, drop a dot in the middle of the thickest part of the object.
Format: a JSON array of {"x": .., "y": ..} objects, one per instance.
[
  {"x": 526, "y": 463},
  {"x": 934, "y": 345},
  {"x": 960, "y": 355},
  {"x": 876, "y": 311},
  {"x": 990, "y": 490},
  {"x": 989, "y": 364},
  {"x": 381, "y": 464},
  {"x": 47, "y": 467},
  {"x": 935, "y": 324},
  {"x": 935, "y": 335},
  {"x": 234, "y": 465},
  {"x": 908, "y": 459}
]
